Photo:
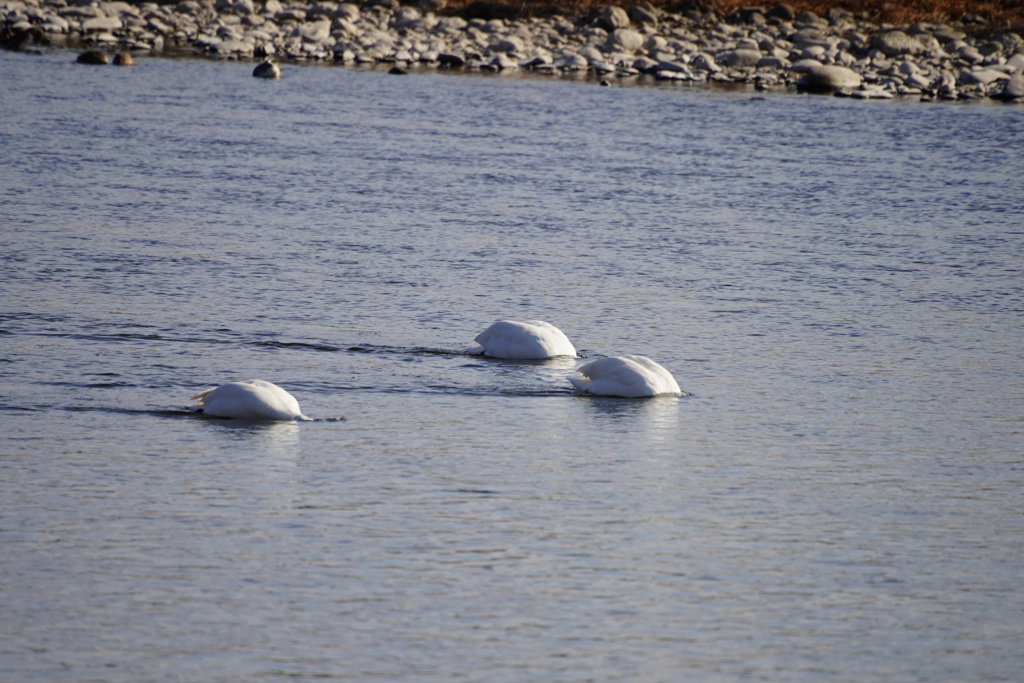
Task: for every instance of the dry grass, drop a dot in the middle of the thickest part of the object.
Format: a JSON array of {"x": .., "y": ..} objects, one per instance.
[{"x": 996, "y": 14}]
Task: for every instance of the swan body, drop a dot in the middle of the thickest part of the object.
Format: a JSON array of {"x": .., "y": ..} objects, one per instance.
[
  {"x": 523, "y": 340},
  {"x": 625, "y": 376},
  {"x": 267, "y": 69},
  {"x": 252, "y": 399}
]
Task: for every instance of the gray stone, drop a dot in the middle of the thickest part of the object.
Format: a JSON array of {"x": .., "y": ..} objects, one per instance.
[
  {"x": 873, "y": 92},
  {"x": 450, "y": 61},
  {"x": 895, "y": 43},
  {"x": 1013, "y": 89},
  {"x": 502, "y": 61},
  {"x": 831, "y": 78},
  {"x": 946, "y": 34},
  {"x": 809, "y": 19},
  {"x": 509, "y": 44},
  {"x": 781, "y": 12},
  {"x": 810, "y": 36},
  {"x": 645, "y": 64},
  {"x": 314, "y": 31},
  {"x": 101, "y": 24},
  {"x": 613, "y": 18},
  {"x": 290, "y": 14},
  {"x": 644, "y": 13},
  {"x": 702, "y": 61},
  {"x": 980, "y": 77},
  {"x": 917, "y": 81},
  {"x": 572, "y": 62},
  {"x": 672, "y": 66},
  {"x": 970, "y": 54},
  {"x": 232, "y": 46},
  {"x": 739, "y": 58},
  {"x": 773, "y": 63},
  {"x": 804, "y": 65},
  {"x": 625, "y": 39},
  {"x": 406, "y": 17}
]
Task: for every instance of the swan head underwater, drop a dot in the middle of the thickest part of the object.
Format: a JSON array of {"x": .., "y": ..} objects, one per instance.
[
  {"x": 626, "y": 377},
  {"x": 530, "y": 339},
  {"x": 252, "y": 399}
]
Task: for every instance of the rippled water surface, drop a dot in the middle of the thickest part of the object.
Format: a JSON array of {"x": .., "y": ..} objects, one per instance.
[{"x": 837, "y": 284}]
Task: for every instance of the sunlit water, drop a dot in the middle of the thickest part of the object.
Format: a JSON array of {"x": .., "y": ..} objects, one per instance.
[{"x": 838, "y": 285}]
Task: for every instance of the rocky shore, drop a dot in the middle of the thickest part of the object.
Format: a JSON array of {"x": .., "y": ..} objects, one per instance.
[{"x": 770, "y": 48}]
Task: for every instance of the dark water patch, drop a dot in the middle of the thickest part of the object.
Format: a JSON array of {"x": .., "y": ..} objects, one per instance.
[{"x": 302, "y": 346}]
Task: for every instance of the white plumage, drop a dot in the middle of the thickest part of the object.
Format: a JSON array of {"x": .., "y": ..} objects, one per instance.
[
  {"x": 523, "y": 340},
  {"x": 625, "y": 376},
  {"x": 252, "y": 399}
]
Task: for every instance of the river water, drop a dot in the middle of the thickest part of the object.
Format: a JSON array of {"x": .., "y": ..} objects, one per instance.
[{"x": 838, "y": 285}]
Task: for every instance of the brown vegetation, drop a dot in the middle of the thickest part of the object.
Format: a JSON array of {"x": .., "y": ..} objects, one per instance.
[{"x": 981, "y": 15}]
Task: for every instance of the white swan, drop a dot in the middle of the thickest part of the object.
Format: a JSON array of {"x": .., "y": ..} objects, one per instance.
[
  {"x": 252, "y": 399},
  {"x": 626, "y": 376},
  {"x": 523, "y": 340},
  {"x": 267, "y": 69}
]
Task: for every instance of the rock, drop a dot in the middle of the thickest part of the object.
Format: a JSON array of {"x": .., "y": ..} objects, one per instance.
[
  {"x": 836, "y": 16},
  {"x": 751, "y": 15},
  {"x": 773, "y": 63},
  {"x": 406, "y": 17},
  {"x": 101, "y": 24},
  {"x": 829, "y": 78},
  {"x": 644, "y": 13},
  {"x": 970, "y": 54},
  {"x": 397, "y": 71},
  {"x": 702, "y": 61},
  {"x": 672, "y": 66},
  {"x": 809, "y": 19},
  {"x": 873, "y": 92},
  {"x": 92, "y": 57},
  {"x": 947, "y": 34},
  {"x": 314, "y": 31},
  {"x": 740, "y": 58},
  {"x": 267, "y": 69},
  {"x": 290, "y": 14},
  {"x": 981, "y": 77},
  {"x": 612, "y": 18},
  {"x": 781, "y": 12},
  {"x": 895, "y": 43},
  {"x": 123, "y": 59},
  {"x": 509, "y": 44},
  {"x": 645, "y": 64},
  {"x": 917, "y": 81},
  {"x": 233, "y": 46},
  {"x": 450, "y": 61},
  {"x": 625, "y": 39},
  {"x": 572, "y": 62},
  {"x": 802, "y": 66},
  {"x": 22, "y": 38},
  {"x": 1013, "y": 89},
  {"x": 501, "y": 62}
]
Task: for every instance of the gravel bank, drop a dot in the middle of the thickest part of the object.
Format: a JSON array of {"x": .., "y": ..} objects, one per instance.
[{"x": 770, "y": 48}]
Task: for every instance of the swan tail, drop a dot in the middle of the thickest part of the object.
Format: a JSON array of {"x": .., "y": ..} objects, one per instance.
[{"x": 201, "y": 396}]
